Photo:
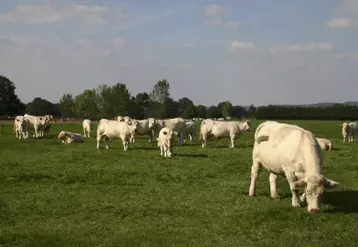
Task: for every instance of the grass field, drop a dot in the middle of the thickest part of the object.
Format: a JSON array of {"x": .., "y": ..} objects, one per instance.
[{"x": 74, "y": 195}]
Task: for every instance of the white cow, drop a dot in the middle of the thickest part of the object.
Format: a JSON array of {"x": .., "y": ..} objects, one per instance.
[
  {"x": 69, "y": 137},
  {"x": 349, "y": 131},
  {"x": 293, "y": 152},
  {"x": 325, "y": 144},
  {"x": 220, "y": 129},
  {"x": 113, "y": 130},
  {"x": 19, "y": 127},
  {"x": 86, "y": 125},
  {"x": 176, "y": 124},
  {"x": 143, "y": 129},
  {"x": 37, "y": 123},
  {"x": 166, "y": 141}
]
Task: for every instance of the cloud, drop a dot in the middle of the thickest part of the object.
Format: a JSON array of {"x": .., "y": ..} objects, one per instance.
[
  {"x": 218, "y": 22},
  {"x": 215, "y": 16},
  {"x": 339, "y": 23},
  {"x": 214, "y": 10},
  {"x": 346, "y": 15},
  {"x": 346, "y": 55},
  {"x": 241, "y": 46},
  {"x": 46, "y": 14},
  {"x": 307, "y": 47}
]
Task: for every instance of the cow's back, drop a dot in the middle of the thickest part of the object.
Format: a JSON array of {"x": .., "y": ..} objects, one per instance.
[{"x": 288, "y": 146}]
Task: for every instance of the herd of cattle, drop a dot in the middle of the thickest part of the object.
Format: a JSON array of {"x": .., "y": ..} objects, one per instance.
[{"x": 282, "y": 149}]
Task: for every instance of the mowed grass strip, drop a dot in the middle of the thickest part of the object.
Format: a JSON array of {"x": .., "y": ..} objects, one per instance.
[{"x": 75, "y": 195}]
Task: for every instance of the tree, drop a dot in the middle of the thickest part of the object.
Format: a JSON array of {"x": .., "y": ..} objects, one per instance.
[
  {"x": 252, "y": 110},
  {"x": 114, "y": 100},
  {"x": 201, "y": 111},
  {"x": 87, "y": 104},
  {"x": 10, "y": 104},
  {"x": 213, "y": 112},
  {"x": 225, "y": 108},
  {"x": 41, "y": 107},
  {"x": 67, "y": 106},
  {"x": 238, "y": 111},
  {"x": 143, "y": 101},
  {"x": 160, "y": 92},
  {"x": 186, "y": 108}
]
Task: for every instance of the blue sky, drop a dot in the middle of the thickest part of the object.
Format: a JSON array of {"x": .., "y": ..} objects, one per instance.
[{"x": 248, "y": 52}]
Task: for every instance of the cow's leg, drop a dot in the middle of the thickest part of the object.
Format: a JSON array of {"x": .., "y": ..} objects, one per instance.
[
  {"x": 203, "y": 140},
  {"x": 291, "y": 178},
  {"x": 99, "y": 137},
  {"x": 125, "y": 144},
  {"x": 273, "y": 191},
  {"x": 255, "y": 170},
  {"x": 232, "y": 138},
  {"x": 161, "y": 150}
]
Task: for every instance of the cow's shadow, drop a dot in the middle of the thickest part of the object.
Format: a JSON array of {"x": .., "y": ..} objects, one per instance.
[
  {"x": 191, "y": 155},
  {"x": 345, "y": 201}
]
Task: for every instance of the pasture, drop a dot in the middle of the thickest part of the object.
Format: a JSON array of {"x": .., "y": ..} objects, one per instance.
[{"x": 75, "y": 195}]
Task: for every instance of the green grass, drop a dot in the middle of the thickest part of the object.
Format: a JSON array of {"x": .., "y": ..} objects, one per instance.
[{"x": 75, "y": 195}]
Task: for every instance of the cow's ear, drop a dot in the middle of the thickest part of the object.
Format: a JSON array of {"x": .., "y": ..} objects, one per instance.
[
  {"x": 299, "y": 184},
  {"x": 165, "y": 133},
  {"x": 330, "y": 185}
]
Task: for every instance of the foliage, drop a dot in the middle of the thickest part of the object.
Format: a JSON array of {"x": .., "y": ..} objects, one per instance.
[
  {"x": 108, "y": 101},
  {"x": 10, "y": 104},
  {"x": 41, "y": 106}
]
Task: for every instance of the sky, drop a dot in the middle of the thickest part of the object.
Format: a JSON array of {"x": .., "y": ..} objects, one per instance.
[{"x": 247, "y": 52}]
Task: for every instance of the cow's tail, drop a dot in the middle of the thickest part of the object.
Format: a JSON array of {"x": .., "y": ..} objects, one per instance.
[
  {"x": 261, "y": 137},
  {"x": 201, "y": 125}
]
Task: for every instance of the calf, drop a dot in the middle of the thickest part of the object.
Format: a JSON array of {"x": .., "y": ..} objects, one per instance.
[
  {"x": 166, "y": 141},
  {"x": 69, "y": 137},
  {"x": 176, "y": 124},
  {"x": 86, "y": 125},
  {"x": 113, "y": 130},
  {"x": 19, "y": 126},
  {"x": 349, "y": 131},
  {"x": 293, "y": 152}
]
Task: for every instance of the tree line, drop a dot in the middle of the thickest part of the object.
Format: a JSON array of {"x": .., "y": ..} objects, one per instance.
[{"x": 109, "y": 101}]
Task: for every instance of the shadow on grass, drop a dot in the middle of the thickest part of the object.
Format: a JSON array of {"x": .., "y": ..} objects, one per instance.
[
  {"x": 192, "y": 155},
  {"x": 147, "y": 148},
  {"x": 345, "y": 201}
]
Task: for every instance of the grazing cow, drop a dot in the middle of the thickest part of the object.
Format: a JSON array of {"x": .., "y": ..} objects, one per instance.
[
  {"x": 293, "y": 152},
  {"x": 37, "y": 123},
  {"x": 220, "y": 129},
  {"x": 349, "y": 131},
  {"x": 143, "y": 129},
  {"x": 69, "y": 137},
  {"x": 113, "y": 130},
  {"x": 176, "y": 124},
  {"x": 325, "y": 144},
  {"x": 19, "y": 127},
  {"x": 86, "y": 125},
  {"x": 166, "y": 141}
]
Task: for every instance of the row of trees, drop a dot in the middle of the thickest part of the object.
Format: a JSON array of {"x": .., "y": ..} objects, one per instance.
[{"x": 108, "y": 101}]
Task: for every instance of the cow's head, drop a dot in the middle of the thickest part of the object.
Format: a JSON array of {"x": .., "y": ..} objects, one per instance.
[
  {"x": 345, "y": 127},
  {"x": 134, "y": 125},
  {"x": 152, "y": 123},
  {"x": 313, "y": 188},
  {"x": 62, "y": 135},
  {"x": 248, "y": 126}
]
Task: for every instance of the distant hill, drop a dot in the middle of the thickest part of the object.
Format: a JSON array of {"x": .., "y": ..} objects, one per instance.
[{"x": 321, "y": 104}]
